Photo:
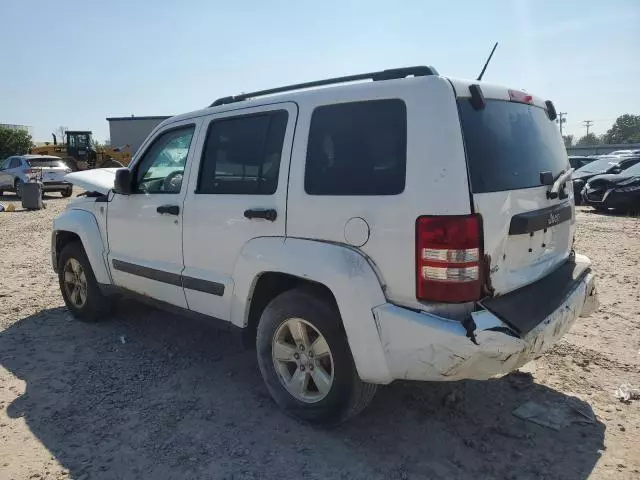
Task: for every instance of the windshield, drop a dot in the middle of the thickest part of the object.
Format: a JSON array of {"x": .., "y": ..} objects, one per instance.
[
  {"x": 633, "y": 170},
  {"x": 598, "y": 166},
  {"x": 46, "y": 163},
  {"x": 509, "y": 144}
]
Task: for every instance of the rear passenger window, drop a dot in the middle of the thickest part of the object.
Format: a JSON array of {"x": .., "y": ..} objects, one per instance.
[
  {"x": 357, "y": 149},
  {"x": 242, "y": 154}
]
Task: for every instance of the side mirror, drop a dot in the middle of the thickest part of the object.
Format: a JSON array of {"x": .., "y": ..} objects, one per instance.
[{"x": 122, "y": 183}]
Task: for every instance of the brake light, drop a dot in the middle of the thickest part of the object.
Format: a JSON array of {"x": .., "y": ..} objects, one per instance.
[
  {"x": 30, "y": 171},
  {"x": 521, "y": 97},
  {"x": 448, "y": 253}
]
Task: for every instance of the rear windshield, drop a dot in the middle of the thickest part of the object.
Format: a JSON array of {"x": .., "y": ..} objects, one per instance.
[
  {"x": 46, "y": 162},
  {"x": 509, "y": 144}
]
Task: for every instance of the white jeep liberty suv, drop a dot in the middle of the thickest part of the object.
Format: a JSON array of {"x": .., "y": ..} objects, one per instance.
[{"x": 389, "y": 225}]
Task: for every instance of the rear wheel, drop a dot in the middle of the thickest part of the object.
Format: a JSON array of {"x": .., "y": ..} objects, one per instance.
[
  {"x": 78, "y": 285},
  {"x": 305, "y": 360},
  {"x": 17, "y": 187},
  {"x": 67, "y": 193}
]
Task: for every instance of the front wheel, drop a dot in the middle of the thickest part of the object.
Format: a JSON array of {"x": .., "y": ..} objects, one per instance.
[
  {"x": 306, "y": 362},
  {"x": 78, "y": 285},
  {"x": 111, "y": 163}
]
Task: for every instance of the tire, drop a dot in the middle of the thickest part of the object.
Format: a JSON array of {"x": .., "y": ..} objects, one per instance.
[
  {"x": 111, "y": 163},
  {"x": 96, "y": 306},
  {"x": 16, "y": 188},
  {"x": 347, "y": 395},
  {"x": 71, "y": 163},
  {"x": 67, "y": 193}
]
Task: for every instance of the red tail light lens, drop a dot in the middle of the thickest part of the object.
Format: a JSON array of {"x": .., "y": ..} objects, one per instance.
[
  {"x": 448, "y": 253},
  {"x": 520, "y": 97},
  {"x": 30, "y": 171}
]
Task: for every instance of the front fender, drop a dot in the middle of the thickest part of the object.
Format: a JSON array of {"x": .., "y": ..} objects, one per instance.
[
  {"x": 85, "y": 225},
  {"x": 344, "y": 270}
]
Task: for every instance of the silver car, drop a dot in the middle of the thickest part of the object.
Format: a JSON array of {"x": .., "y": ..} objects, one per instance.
[{"x": 49, "y": 170}]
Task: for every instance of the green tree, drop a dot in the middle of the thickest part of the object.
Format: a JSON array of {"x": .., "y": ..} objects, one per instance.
[
  {"x": 590, "y": 139},
  {"x": 626, "y": 129},
  {"x": 14, "y": 142},
  {"x": 568, "y": 140}
]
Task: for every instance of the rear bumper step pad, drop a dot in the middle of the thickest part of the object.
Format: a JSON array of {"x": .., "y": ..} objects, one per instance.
[{"x": 526, "y": 307}]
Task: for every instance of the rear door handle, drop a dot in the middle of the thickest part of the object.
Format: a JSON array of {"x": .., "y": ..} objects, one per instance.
[
  {"x": 266, "y": 213},
  {"x": 168, "y": 209}
]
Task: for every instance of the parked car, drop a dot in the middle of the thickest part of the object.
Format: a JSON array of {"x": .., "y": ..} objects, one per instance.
[
  {"x": 409, "y": 227},
  {"x": 620, "y": 191},
  {"x": 605, "y": 164},
  {"x": 577, "y": 161},
  {"x": 622, "y": 152},
  {"x": 48, "y": 170}
]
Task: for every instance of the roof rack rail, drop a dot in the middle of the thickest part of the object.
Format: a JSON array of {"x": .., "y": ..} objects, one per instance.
[{"x": 390, "y": 74}]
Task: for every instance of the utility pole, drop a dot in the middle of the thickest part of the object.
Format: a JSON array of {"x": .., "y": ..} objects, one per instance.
[
  {"x": 588, "y": 123},
  {"x": 561, "y": 120}
]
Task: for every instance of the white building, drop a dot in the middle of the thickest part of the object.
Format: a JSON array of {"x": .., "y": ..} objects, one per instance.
[
  {"x": 131, "y": 131},
  {"x": 13, "y": 126}
]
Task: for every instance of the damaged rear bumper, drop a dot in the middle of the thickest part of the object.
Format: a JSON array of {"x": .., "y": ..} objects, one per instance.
[{"x": 422, "y": 346}]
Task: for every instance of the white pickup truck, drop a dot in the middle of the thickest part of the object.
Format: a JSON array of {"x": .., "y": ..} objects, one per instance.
[{"x": 390, "y": 225}]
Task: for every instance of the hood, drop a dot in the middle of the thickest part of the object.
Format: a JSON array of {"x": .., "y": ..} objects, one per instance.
[
  {"x": 614, "y": 179},
  {"x": 98, "y": 180}
]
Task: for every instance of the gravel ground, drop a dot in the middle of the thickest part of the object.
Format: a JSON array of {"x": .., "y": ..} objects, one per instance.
[{"x": 154, "y": 395}]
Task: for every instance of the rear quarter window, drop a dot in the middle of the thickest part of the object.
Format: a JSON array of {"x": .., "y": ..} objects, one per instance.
[
  {"x": 46, "y": 163},
  {"x": 357, "y": 148}
]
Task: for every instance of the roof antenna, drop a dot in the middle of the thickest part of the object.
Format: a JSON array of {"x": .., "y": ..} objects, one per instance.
[{"x": 487, "y": 62}]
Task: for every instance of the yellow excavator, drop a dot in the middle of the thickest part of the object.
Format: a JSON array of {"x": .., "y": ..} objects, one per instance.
[{"x": 78, "y": 153}]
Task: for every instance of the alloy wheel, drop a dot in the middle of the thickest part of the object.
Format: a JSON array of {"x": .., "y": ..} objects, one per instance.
[
  {"x": 75, "y": 283},
  {"x": 303, "y": 360}
]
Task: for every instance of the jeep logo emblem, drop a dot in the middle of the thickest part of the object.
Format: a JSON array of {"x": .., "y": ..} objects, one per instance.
[{"x": 554, "y": 218}]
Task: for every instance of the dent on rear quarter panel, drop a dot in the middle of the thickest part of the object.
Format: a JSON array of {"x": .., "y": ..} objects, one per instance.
[{"x": 343, "y": 270}]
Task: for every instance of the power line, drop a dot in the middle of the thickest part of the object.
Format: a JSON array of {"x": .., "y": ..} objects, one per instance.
[
  {"x": 561, "y": 120},
  {"x": 587, "y": 123}
]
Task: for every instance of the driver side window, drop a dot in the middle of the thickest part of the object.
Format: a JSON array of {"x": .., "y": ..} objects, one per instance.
[{"x": 162, "y": 166}]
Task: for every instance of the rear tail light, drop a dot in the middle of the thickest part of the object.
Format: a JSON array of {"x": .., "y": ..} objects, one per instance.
[
  {"x": 448, "y": 253},
  {"x": 30, "y": 171}
]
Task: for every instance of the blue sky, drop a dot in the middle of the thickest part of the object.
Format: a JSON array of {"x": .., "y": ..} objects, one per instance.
[{"x": 76, "y": 62}]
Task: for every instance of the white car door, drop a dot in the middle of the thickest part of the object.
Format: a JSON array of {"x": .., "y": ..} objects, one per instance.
[
  {"x": 145, "y": 228},
  {"x": 239, "y": 193}
]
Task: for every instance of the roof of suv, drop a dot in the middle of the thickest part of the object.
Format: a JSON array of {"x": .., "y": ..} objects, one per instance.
[
  {"x": 30, "y": 156},
  {"x": 353, "y": 83}
]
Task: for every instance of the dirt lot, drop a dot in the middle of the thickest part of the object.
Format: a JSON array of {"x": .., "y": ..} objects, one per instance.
[{"x": 153, "y": 395}]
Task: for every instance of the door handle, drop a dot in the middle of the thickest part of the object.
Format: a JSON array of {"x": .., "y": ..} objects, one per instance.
[
  {"x": 268, "y": 213},
  {"x": 169, "y": 209}
]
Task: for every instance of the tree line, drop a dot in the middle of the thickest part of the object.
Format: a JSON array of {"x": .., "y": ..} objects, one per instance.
[{"x": 626, "y": 129}]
